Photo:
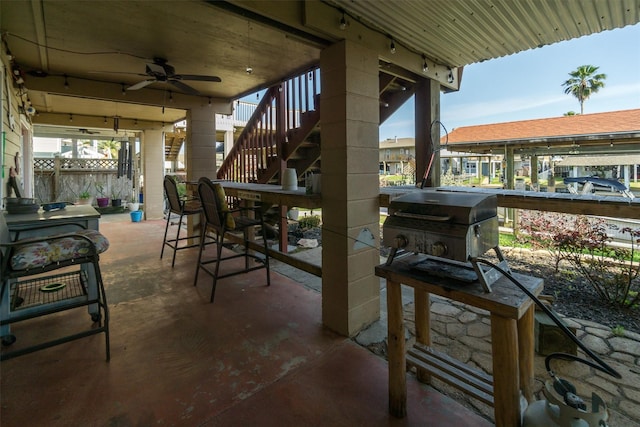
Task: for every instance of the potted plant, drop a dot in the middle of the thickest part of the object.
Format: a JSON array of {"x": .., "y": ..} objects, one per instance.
[
  {"x": 102, "y": 201},
  {"x": 117, "y": 190},
  {"x": 133, "y": 205},
  {"x": 84, "y": 197}
]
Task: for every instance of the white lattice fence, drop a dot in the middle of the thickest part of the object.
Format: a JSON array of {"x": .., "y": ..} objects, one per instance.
[{"x": 62, "y": 179}]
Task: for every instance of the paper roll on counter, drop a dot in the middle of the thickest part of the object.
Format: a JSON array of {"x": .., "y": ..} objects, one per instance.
[{"x": 290, "y": 179}]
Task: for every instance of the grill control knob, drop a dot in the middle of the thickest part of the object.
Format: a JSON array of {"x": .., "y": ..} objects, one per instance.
[
  {"x": 400, "y": 241},
  {"x": 438, "y": 249}
]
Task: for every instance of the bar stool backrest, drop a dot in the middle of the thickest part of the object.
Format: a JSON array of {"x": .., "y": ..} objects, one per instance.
[
  {"x": 171, "y": 191},
  {"x": 211, "y": 205}
]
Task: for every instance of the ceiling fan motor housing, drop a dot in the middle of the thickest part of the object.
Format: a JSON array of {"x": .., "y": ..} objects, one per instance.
[{"x": 160, "y": 72}]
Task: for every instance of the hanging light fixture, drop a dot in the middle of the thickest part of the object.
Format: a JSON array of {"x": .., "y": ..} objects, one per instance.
[
  {"x": 343, "y": 22},
  {"x": 450, "y": 76},
  {"x": 249, "y": 69}
]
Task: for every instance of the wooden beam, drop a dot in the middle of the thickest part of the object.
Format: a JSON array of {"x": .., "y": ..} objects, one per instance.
[
  {"x": 111, "y": 91},
  {"x": 611, "y": 206}
]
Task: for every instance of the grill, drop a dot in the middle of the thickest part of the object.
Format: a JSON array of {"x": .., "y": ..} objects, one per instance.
[{"x": 452, "y": 228}]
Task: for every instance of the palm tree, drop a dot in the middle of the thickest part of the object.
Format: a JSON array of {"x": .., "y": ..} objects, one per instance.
[
  {"x": 583, "y": 82},
  {"x": 111, "y": 147}
]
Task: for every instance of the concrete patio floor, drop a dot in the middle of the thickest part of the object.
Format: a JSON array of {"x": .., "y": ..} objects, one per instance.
[{"x": 258, "y": 356}]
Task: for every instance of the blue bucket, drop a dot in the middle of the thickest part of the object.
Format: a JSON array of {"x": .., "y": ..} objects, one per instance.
[{"x": 136, "y": 216}]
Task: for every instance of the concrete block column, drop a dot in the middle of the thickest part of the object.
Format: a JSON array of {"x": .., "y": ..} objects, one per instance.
[
  {"x": 200, "y": 147},
  {"x": 153, "y": 172},
  {"x": 350, "y": 207}
]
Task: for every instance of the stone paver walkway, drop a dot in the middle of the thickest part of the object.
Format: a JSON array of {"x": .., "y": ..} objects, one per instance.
[{"x": 464, "y": 332}]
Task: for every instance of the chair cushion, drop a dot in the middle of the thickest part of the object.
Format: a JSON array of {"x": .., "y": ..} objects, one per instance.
[
  {"x": 221, "y": 198},
  {"x": 43, "y": 253}
]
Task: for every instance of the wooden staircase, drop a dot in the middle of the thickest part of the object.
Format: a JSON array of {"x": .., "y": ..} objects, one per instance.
[{"x": 284, "y": 131}]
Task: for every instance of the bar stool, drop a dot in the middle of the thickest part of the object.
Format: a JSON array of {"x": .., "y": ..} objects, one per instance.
[
  {"x": 183, "y": 207},
  {"x": 223, "y": 221}
]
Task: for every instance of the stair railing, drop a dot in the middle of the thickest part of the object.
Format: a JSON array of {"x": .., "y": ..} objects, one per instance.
[{"x": 261, "y": 143}]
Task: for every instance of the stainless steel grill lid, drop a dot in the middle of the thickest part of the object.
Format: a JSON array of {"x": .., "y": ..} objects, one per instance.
[{"x": 458, "y": 208}]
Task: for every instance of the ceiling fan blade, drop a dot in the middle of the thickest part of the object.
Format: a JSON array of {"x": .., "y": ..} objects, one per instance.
[
  {"x": 141, "y": 84},
  {"x": 117, "y": 72},
  {"x": 183, "y": 87},
  {"x": 196, "y": 77}
]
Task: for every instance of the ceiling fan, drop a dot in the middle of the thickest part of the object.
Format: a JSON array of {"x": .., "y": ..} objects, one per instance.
[
  {"x": 83, "y": 131},
  {"x": 161, "y": 71}
]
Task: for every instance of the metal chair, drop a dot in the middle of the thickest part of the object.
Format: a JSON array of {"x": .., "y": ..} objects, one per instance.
[
  {"x": 224, "y": 221},
  {"x": 183, "y": 207},
  {"x": 46, "y": 275}
]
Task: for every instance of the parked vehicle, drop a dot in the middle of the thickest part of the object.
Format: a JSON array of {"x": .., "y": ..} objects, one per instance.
[{"x": 591, "y": 184}]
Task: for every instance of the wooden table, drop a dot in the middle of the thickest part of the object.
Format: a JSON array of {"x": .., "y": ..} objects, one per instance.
[
  {"x": 42, "y": 223},
  {"x": 577, "y": 204},
  {"x": 273, "y": 194},
  {"x": 512, "y": 338}
]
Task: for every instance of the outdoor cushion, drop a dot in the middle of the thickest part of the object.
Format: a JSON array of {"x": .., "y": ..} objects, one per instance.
[
  {"x": 56, "y": 249},
  {"x": 221, "y": 200}
]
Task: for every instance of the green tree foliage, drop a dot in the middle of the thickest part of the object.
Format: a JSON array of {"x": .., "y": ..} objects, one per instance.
[
  {"x": 112, "y": 146},
  {"x": 584, "y": 82}
]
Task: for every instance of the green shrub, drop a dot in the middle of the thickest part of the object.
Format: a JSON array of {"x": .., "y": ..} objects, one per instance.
[
  {"x": 613, "y": 272},
  {"x": 308, "y": 222}
]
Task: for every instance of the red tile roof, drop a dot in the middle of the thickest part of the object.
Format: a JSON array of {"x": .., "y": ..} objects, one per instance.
[{"x": 586, "y": 124}]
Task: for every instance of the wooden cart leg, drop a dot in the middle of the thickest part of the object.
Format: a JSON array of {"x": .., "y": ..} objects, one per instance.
[
  {"x": 506, "y": 390},
  {"x": 526, "y": 348},
  {"x": 423, "y": 325},
  {"x": 396, "y": 351}
]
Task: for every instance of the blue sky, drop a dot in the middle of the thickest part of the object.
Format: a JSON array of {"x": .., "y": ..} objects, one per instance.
[{"x": 528, "y": 85}]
